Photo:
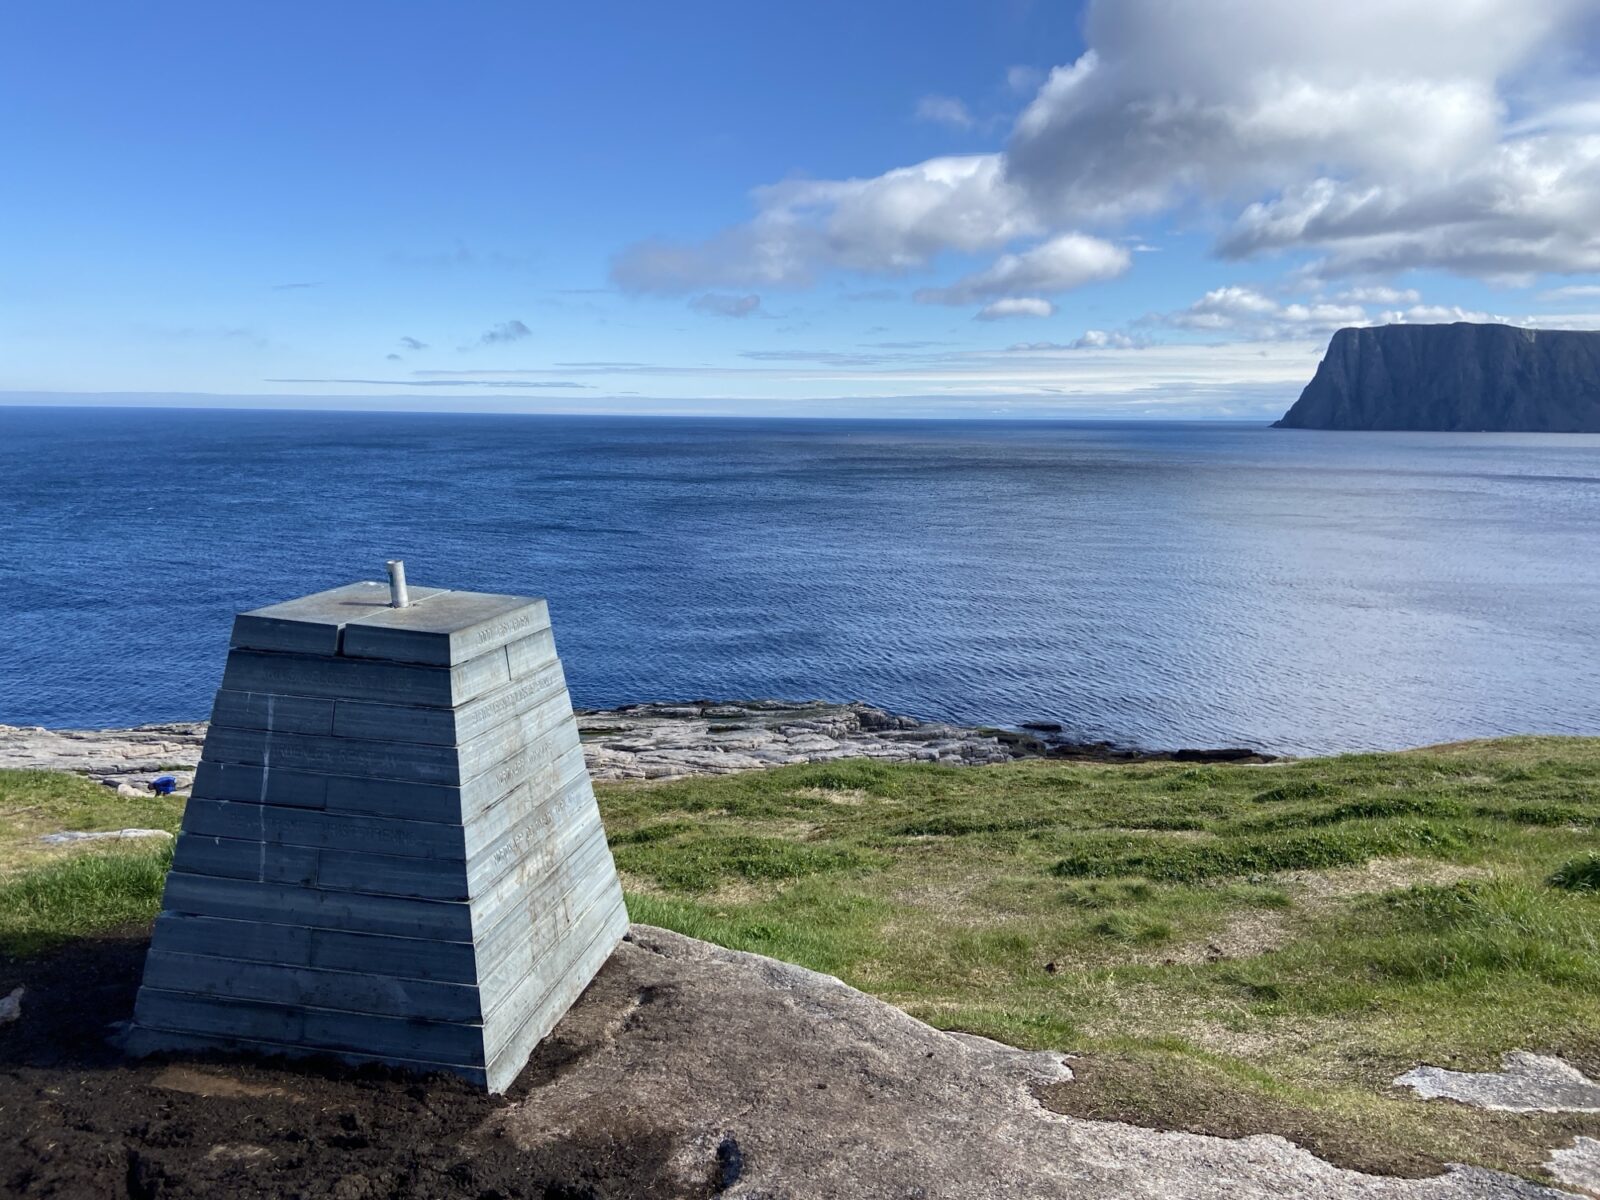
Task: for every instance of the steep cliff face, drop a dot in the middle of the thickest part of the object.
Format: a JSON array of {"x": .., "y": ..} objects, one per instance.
[{"x": 1454, "y": 377}]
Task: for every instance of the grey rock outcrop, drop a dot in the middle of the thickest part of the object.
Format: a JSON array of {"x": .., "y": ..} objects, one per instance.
[
  {"x": 130, "y": 756},
  {"x": 717, "y": 1072},
  {"x": 663, "y": 741},
  {"x": 642, "y": 741},
  {"x": 1526, "y": 1083},
  {"x": 1461, "y": 377}
]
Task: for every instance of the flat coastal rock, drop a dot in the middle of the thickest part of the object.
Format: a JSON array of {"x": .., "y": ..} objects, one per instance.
[
  {"x": 643, "y": 741},
  {"x": 718, "y": 1072},
  {"x": 1525, "y": 1083}
]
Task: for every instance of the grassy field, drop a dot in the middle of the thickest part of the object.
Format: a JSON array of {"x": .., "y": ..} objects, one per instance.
[
  {"x": 50, "y": 894},
  {"x": 1234, "y": 949}
]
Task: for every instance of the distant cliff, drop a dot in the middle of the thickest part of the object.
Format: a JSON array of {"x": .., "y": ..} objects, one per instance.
[{"x": 1454, "y": 377}]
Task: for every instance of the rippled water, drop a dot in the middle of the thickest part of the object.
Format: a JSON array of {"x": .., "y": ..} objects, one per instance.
[{"x": 1151, "y": 584}]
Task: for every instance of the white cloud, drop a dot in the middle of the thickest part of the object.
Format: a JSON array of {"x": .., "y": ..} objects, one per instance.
[
  {"x": 1245, "y": 312},
  {"x": 1066, "y": 261},
  {"x": 1519, "y": 208},
  {"x": 945, "y": 110},
  {"x": 1379, "y": 294},
  {"x": 1219, "y": 99},
  {"x": 1101, "y": 339},
  {"x": 1016, "y": 306},
  {"x": 1443, "y": 314},
  {"x": 1090, "y": 339},
  {"x": 1383, "y": 135},
  {"x": 888, "y": 224},
  {"x": 1023, "y": 80}
]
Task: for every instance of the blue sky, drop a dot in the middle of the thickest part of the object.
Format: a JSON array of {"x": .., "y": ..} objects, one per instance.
[{"x": 1141, "y": 208}]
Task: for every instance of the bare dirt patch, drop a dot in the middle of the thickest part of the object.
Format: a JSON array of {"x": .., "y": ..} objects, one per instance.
[
  {"x": 77, "y": 1119},
  {"x": 1246, "y": 935},
  {"x": 845, "y": 797},
  {"x": 1312, "y": 889},
  {"x": 178, "y": 1078}
]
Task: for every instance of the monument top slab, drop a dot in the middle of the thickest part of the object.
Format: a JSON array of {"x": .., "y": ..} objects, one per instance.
[
  {"x": 439, "y": 627},
  {"x": 445, "y": 628}
]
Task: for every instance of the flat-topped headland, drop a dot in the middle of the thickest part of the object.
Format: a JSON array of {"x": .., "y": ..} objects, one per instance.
[
  {"x": 645, "y": 741},
  {"x": 1462, "y": 377}
]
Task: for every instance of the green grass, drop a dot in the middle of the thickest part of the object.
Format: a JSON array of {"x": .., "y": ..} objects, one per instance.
[
  {"x": 49, "y": 895},
  {"x": 1579, "y": 875},
  {"x": 1280, "y": 941},
  {"x": 1230, "y": 948},
  {"x": 80, "y": 896},
  {"x": 38, "y": 802}
]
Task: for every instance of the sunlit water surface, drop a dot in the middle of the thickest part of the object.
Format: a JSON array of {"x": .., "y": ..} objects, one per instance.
[{"x": 1153, "y": 584}]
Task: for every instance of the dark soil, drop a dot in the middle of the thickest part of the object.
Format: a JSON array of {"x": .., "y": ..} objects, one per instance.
[{"x": 77, "y": 1119}]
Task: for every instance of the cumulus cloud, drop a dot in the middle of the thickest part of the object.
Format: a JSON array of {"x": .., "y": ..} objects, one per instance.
[
  {"x": 1060, "y": 264},
  {"x": 1219, "y": 99},
  {"x": 945, "y": 110},
  {"x": 1520, "y": 208},
  {"x": 889, "y": 224},
  {"x": 1101, "y": 339},
  {"x": 1016, "y": 306},
  {"x": 1444, "y": 314},
  {"x": 1381, "y": 135},
  {"x": 1246, "y": 312},
  {"x": 411, "y": 343},
  {"x": 721, "y": 305}
]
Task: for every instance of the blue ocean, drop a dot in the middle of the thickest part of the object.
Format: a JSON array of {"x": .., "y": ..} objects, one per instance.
[{"x": 1155, "y": 585}]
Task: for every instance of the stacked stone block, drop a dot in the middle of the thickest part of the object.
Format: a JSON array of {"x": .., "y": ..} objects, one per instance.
[{"x": 392, "y": 851}]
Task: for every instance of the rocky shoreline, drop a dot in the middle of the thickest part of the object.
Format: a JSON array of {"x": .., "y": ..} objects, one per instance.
[{"x": 640, "y": 741}]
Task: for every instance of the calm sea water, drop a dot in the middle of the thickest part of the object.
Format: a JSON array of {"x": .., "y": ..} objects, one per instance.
[{"x": 1159, "y": 585}]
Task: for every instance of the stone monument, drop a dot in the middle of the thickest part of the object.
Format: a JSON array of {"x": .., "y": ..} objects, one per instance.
[{"x": 392, "y": 852}]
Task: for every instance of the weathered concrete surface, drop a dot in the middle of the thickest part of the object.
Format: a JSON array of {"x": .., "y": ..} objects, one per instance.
[
  {"x": 1525, "y": 1083},
  {"x": 639, "y": 741},
  {"x": 753, "y": 1078},
  {"x": 460, "y": 695}
]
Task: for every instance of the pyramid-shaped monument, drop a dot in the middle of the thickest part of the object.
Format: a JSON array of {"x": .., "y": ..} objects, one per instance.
[{"x": 392, "y": 851}]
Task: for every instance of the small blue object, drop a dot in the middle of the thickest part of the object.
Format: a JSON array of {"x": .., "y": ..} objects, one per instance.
[{"x": 163, "y": 785}]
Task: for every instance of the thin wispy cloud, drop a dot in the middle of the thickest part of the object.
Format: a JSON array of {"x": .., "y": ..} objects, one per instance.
[
  {"x": 236, "y": 335},
  {"x": 503, "y": 334},
  {"x": 945, "y": 110},
  {"x": 724, "y": 305},
  {"x": 1015, "y": 306},
  {"x": 435, "y": 383}
]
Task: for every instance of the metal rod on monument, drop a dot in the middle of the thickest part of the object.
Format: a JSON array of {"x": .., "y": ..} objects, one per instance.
[{"x": 398, "y": 598}]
